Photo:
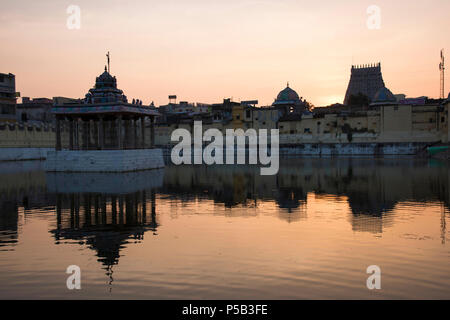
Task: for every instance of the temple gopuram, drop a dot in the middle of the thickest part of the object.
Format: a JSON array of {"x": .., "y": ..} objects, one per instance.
[
  {"x": 366, "y": 80},
  {"x": 104, "y": 133}
]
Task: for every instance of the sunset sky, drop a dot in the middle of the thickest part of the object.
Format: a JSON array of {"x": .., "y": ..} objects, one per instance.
[{"x": 207, "y": 50}]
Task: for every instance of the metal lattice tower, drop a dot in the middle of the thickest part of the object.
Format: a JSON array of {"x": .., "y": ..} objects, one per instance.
[{"x": 442, "y": 69}]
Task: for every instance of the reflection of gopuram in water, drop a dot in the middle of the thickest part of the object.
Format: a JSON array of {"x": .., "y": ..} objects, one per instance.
[
  {"x": 90, "y": 210},
  {"x": 372, "y": 187}
]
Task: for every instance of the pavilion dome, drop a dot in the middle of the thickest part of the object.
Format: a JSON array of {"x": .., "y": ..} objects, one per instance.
[
  {"x": 384, "y": 96},
  {"x": 105, "y": 90},
  {"x": 287, "y": 95},
  {"x": 105, "y": 80}
]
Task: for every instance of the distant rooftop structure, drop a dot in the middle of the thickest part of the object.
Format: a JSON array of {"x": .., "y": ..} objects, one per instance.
[
  {"x": 37, "y": 109},
  {"x": 365, "y": 79},
  {"x": 384, "y": 96},
  {"x": 65, "y": 100}
]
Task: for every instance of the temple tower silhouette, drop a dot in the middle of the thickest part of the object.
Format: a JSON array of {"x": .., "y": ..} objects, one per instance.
[{"x": 365, "y": 79}]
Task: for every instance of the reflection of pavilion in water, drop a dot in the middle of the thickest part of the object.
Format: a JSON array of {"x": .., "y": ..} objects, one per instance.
[{"x": 105, "y": 221}]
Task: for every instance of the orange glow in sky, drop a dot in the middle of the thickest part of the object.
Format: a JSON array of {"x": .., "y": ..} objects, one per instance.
[{"x": 207, "y": 50}]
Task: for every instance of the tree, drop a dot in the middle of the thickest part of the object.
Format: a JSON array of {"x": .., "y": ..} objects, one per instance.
[
  {"x": 348, "y": 130},
  {"x": 359, "y": 100}
]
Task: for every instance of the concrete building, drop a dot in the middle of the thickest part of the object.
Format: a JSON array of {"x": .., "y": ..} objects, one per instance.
[
  {"x": 34, "y": 110},
  {"x": 242, "y": 117},
  {"x": 39, "y": 110},
  {"x": 222, "y": 112},
  {"x": 419, "y": 120},
  {"x": 7, "y": 97},
  {"x": 265, "y": 118},
  {"x": 184, "y": 107},
  {"x": 176, "y": 112}
]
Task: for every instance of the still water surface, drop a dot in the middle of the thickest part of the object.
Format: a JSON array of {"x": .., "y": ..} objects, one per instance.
[{"x": 226, "y": 232}]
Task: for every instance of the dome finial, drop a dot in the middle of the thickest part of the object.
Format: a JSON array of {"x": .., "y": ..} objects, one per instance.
[
  {"x": 287, "y": 84},
  {"x": 109, "y": 68},
  {"x": 105, "y": 68}
]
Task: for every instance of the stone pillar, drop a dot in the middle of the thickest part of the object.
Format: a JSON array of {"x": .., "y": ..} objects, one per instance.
[
  {"x": 143, "y": 132},
  {"x": 101, "y": 134},
  {"x": 76, "y": 134},
  {"x": 110, "y": 132},
  {"x": 152, "y": 131},
  {"x": 126, "y": 134},
  {"x": 85, "y": 129},
  {"x": 119, "y": 133},
  {"x": 94, "y": 133},
  {"x": 135, "y": 133},
  {"x": 71, "y": 133},
  {"x": 58, "y": 134}
]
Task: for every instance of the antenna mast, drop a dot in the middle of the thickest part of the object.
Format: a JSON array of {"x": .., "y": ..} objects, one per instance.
[{"x": 442, "y": 69}]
